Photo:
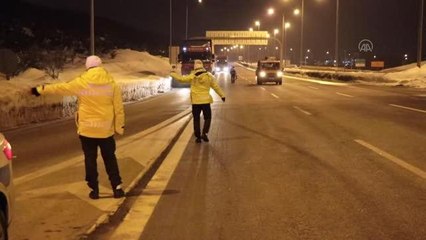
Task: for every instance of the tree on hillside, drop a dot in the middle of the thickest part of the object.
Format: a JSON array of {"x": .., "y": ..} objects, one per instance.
[{"x": 8, "y": 63}]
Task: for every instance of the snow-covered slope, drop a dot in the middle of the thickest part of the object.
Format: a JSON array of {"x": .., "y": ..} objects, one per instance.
[{"x": 140, "y": 75}]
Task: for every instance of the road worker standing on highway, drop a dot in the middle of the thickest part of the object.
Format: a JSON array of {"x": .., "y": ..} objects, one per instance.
[
  {"x": 201, "y": 81},
  {"x": 100, "y": 115}
]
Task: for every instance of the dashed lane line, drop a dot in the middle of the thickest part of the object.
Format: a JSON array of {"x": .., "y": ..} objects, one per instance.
[
  {"x": 303, "y": 111},
  {"x": 417, "y": 171},
  {"x": 313, "y": 88},
  {"x": 275, "y": 96},
  {"x": 317, "y": 81},
  {"x": 408, "y": 108},
  {"x": 73, "y": 161},
  {"x": 345, "y": 95},
  {"x": 263, "y": 88}
]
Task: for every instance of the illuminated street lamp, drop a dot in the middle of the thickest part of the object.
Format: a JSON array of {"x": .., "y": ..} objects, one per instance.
[
  {"x": 257, "y": 23},
  {"x": 296, "y": 12},
  {"x": 276, "y": 31},
  {"x": 287, "y": 25},
  {"x": 251, "y": 29}
]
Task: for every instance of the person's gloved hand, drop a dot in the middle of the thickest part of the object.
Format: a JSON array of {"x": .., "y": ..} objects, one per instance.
[
  {"x": 35, "y": 92},
  {"x": 119, "y": 130},
  {"x": 223, "y": 99}
]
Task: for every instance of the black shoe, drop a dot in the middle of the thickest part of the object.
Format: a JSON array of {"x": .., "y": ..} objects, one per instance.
[
  {"x": 94, "y": 194},
  {"x": 198, "y": 140},
  {"x": 205, "y": 138},
  {"x": 118, "y": 192}
]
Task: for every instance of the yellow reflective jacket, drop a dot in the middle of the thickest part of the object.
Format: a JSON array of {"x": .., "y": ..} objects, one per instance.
[
  {"x": 201, "y": 81},
  {"x": 100, "y": 104}
]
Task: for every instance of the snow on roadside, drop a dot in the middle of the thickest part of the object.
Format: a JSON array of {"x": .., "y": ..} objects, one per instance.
[
  {"x": 409, "y": 76},
  {"x": 412, "y": 77},
  {"x": 140, "y": 75}
]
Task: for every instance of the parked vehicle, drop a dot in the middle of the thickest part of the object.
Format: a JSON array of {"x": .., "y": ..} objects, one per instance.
[
  {"x": 269, "y": 70},
  {"x": 7, "y": 195}
]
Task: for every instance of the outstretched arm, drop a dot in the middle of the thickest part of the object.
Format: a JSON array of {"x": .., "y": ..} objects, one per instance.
[
  {"x": 180, "y": 78},
  {"x": 64, "y": 89}
]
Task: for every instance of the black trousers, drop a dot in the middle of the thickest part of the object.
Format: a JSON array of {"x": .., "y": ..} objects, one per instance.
[
  {"x": 207, "y": 113},
  {"x": 90, "y": 149}
]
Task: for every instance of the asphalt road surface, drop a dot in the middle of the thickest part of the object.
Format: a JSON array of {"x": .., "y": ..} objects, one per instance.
[{"x": 304, "y": 160}]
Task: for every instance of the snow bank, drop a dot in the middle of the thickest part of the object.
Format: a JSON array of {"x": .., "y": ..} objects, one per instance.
[
  {"x": 410, "y": 76},
  {"x": 140, "y": 75}
]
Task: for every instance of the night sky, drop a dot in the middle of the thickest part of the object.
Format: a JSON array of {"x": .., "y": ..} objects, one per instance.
[{"x": 390, "y": 24}]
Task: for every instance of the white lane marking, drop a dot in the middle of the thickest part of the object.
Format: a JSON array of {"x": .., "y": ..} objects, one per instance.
[
  {"x": 47, "y": 170},
  {"x": 303, "y": 111},
  {"x": 275, "y": 96},
  {"x": 263, "y": 88},
  {"x": 317, "y": 81},
  {"x": 313, "y": 87},
  {"x": 345, "y": 95},
  {"x": 78, "y": 189},
  {"x": 136, "y": 219},
  {"x": 393, "y": 159},
  {"x": 408, "y": 108},
  {"x": 76, "y": 160}
]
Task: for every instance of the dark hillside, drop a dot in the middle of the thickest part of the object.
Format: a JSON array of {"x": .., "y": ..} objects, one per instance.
[{"x": 24, "y": 26}]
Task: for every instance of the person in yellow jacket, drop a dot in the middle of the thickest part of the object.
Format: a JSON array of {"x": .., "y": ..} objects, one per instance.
[
  {"x": 100, "y": 114},
  {"x": 201, "y": 81}
]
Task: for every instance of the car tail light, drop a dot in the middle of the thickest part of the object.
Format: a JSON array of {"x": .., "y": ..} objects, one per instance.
[{"x": 7, "y": 150}]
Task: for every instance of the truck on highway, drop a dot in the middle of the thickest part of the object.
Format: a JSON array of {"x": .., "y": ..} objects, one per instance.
[{"x": 191, "y": 49}]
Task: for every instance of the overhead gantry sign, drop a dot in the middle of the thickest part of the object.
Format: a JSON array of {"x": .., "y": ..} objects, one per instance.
[{"x": 238, "y": 37}]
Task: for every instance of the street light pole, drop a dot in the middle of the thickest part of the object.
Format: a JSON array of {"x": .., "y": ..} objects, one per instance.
[
  {"x": 92, "y": 27},
  {"x": 301, "y": 33},
  {"x": 186, "y": 21},
  {"x": 336, "y": 49},
  {"x": 420, "y": 35},
  {"x": 171, "y": 26},
  {"x": 282, "y": 52}
]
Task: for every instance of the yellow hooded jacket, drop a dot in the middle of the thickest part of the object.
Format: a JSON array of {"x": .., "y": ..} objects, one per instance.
[
  {"x": 100, "y": 104},
  {"x": 201, "y": 81}
]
